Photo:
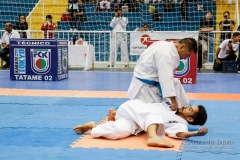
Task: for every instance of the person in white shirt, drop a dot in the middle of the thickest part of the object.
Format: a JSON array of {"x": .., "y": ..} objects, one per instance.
[
  {"x": 135, "y": 116},
  {"x": 226, "y": 51},
  {"x": 119, "y": 23},
  {"x": 153, "y": 78},
  {"x": 7, "y": 35},
  {"x": 105, "y": 4},
  {"x": 144, "y": 28}
]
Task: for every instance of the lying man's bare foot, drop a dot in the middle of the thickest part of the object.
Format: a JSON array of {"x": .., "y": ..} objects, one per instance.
[
  {"x": 111, "y": 114},
  {"x": 158, "y": 142},
  {"x": 80, "y": 129}
]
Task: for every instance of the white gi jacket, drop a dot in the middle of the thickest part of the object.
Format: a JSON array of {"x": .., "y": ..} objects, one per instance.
[
  {"x": 119, "y": 40},
  {"x": 157, "y": 63},
  {"x": 135, "y": 116}
]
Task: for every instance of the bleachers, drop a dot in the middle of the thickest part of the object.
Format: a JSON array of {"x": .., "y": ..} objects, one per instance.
[
  {"x": 171, "y": 21},
  {"x": 10, "y": 10}
]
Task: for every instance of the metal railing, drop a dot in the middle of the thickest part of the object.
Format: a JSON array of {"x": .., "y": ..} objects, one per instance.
[{"x": 101, "y": 42}]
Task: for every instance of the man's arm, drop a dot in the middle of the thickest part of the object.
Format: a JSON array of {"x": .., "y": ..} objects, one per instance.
[
  {"x": 174, "y": 106},
  {"x": 124, "y": 21},
  {"x": 232, "y": 25},
  {"x": 206, "y": 29},
  {"x": 114, "y": 20},
  {"x": 217, "y": 52},
  {"x": 201, "y": 132}
]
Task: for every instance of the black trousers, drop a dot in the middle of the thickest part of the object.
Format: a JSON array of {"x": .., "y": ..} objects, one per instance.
[
  {"x": 3, "y": 54},
  {"x": 218, "y": 67}
]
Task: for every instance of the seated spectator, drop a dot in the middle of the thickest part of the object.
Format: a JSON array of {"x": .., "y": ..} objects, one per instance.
[
  {"x": 130, "y": 3},
  {"x": 105, "y": 5},
  {"x": 48, "y": 25},
  {"x": 143, "y": 28},
  {"x": 79, "y": 16},
  {"x": 226, "y": 51},
  {"x": 200, "y": 7},
  {"x": 72, "y": 9},
  {"x": 168, "y": 5},
  {"x": 226, "y": 25},
  {"x": 21, "y": 25},
  {"x": 7, "y": 35},
  {"x": 183, "y": 8}
]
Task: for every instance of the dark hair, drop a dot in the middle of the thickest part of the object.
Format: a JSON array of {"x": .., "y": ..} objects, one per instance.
[
  {"x": 191, "y": 44},
  {"x": 209, "y": 12},
  {"x": 226, "y": 12},
  {"x": 49, "y": 16},
  {"x": 200, "y": 117},
  {"x": 235, "y": 34},
  {"x": 145, "y": 24},
  {"x": 21, "y": 16}
]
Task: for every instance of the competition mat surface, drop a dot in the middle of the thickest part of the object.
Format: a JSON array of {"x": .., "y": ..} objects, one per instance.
[{"x": 37, "y": 119}]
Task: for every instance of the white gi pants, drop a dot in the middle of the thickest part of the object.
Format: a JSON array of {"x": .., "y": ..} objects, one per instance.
[
  {"x": 119, "y": 41},
  {"x": 150, "y": 94},
  {"x": 129, "y": 122}
]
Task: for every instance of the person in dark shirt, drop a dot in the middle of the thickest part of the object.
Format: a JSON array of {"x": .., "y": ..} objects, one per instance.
[
  {"x": 183, "y": 7},
  {"x": 77, "y": 11},
  {"x": 168, "y": 5},
  {"x": 226, "y": 25},
  {"x": 21, "y": 25},
  {"x": 206, "y": 25}
]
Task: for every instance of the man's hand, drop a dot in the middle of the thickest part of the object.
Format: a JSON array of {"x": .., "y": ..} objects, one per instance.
[
  {"x": 202, "y": 131},
  {"x": 230, "y": 45},
  {"x": 5, "y": 45},
  {"x": 174, "y": 106},
  {"x": 218, "y": 61}
]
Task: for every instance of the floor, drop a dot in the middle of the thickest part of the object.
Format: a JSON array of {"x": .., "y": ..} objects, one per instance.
[{"x": 37, "y": 117}]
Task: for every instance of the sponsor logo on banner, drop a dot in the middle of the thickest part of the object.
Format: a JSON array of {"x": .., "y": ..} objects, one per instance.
[
  {"x": 40, "y": 60},
  {"x": 19, "y": 61},
  {"x": 64, "y": 59},
  {"x": 144, "y": 39},
  {"x": 59, "y": 61},
  {"x": 183, "y": 68}
]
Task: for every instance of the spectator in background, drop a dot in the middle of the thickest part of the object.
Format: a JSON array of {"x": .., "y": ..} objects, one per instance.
[
  {"x": 72, "y": 9},
  {"x": 48, "y": 25},
  {"x": 226, "y": 25},
  {"x": 183, "y": 7},
  {"x": 132, "y": 4},
  {"x": 119, "y": 23},
  {"x": 206, "y": 25},
  {"x": 143, "y": 28},
  {"x": 226, "y": 51},
  {"x": 21, "y": 25},
  {"x": 168, "y": 5},
  {"x": 7, "y": 35},
  {"x": 105, "y": 5},
  {"x": 79, "y": 16}
]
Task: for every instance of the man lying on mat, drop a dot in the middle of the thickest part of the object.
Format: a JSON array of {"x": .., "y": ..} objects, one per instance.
[{"x": 156, "y": 119}]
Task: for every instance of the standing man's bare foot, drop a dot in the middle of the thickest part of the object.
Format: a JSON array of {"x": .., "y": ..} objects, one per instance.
[
  {"x": 84, "y": 127},
  {"x": 158, "y": 142},
  {"x": 111, "y": 114}
]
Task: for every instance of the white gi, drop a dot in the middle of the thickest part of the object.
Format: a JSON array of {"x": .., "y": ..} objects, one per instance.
[
  {"x": 135, "y": 116},
  {"x": 119, "y": 24},
  {"x": 157, "y": 63},
  {"x": 224, "y": 48}
]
